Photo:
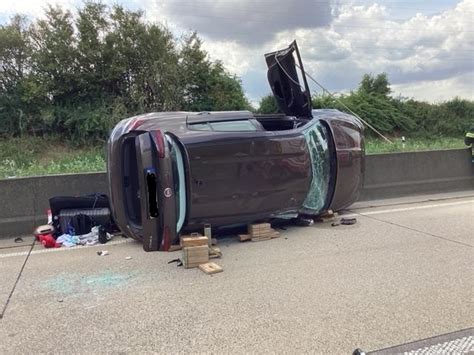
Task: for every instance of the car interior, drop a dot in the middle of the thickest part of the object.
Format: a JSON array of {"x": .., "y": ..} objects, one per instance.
[{"x": 280, "y": 122}]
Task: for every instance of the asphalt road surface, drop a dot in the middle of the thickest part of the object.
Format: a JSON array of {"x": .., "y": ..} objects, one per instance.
[{"x": 403, "y": 272}]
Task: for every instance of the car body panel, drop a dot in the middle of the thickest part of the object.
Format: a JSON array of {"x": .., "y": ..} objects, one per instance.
[{"x": 239, "y": 180}]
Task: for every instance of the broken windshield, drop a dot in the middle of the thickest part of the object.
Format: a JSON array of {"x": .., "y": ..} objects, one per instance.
[{"x": 317, "y": 139}]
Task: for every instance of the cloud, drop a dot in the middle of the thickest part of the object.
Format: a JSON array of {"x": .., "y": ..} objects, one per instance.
[
  {"x": 34, "y": 8},
  {"x": 414, "y": 52},
  {"x": 438, "y": 90},
  {"x": 356, "y": 39},
  {"x": 248, "y": 22}
]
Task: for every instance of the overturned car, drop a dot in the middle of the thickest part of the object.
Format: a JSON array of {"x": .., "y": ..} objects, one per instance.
[{"x": 174, "y": 171}]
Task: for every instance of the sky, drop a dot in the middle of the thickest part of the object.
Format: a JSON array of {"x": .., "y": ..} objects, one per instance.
[{"x": 425, "y": 46}]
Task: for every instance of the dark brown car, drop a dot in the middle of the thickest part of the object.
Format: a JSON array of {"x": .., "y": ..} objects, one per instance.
[{"x": 175, "y": 171}]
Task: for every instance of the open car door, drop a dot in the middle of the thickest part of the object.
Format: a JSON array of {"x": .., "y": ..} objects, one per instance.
[{"x": 283, "y": 79}]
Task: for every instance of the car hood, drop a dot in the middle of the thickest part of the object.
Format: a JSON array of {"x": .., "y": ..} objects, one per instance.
[{"x": 292, "y": 97}]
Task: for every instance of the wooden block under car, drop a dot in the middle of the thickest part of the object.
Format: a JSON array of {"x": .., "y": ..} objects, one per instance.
[
  {"x": 193, "y": 240},
  {"x": 244, "y": 237},
  {"x": 210, "y": 268},
  {"x": 271, "y": 234},
  {"x": 262, "y": 238},
  {"x": 258, "y": 228},
  {"x": 194, "y": 256}
]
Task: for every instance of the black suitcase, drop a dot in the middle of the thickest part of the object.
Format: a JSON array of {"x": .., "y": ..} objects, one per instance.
[{"x": 97, "y": 206}]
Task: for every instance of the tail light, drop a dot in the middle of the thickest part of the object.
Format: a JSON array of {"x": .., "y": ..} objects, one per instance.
[
  {"x": 166, "y": 239},
  {"x": 160, "y": 143}
]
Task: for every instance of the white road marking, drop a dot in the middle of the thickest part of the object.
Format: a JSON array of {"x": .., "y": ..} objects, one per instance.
[
  {"x": 456, "y": 346},
  {"x": 404, "y": 209},
  {"x": 54, "y": 250}
]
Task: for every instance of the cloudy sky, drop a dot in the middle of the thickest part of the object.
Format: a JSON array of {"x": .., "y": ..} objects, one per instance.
[{"x": 425, "y": 46}]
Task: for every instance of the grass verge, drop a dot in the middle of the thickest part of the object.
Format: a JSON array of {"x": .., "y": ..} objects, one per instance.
[
  {"x": 30, "y": 156},
  {"x": 376, "y": 145}
]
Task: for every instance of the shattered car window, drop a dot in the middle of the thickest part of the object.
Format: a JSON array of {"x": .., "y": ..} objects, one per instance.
[{"x": 317, "y": 140}]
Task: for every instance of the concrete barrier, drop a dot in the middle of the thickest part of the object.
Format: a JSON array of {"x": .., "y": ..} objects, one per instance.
[
  {"x": 24, "y": 201},
  {"x": 403, "y": 174}
]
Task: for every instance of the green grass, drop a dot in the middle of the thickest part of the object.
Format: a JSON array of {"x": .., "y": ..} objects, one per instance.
[
  {"x": 376, "y": 145},
  {"x": 30, "y": 156}
]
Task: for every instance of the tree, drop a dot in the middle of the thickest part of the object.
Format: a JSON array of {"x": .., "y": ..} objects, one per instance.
[
  {"x": 15, "y": 86},
  {"x": 268, "y": 105},
  {"x": 92, "y": 26},
  {"x": 206, "y": 85},
  {"x": 378, "y": 85},
  {"x": 54, "y": 57},
  {"x": 225, "y": 90},
  {"x": 194, "y": 69}
]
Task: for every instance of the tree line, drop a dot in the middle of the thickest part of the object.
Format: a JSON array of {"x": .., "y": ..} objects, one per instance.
[
  {"x": 394, "y": 115},
  {"x": 77, "y": 75}
]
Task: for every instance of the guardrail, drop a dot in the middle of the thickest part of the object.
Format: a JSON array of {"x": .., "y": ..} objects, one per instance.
[{"x": 24, "y": 201}]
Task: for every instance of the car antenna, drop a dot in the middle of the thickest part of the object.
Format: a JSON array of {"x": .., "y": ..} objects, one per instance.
[{"x": 331, "y": 95}]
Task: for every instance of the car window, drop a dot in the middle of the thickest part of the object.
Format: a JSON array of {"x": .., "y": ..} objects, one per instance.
[
  {"x": 200, "y": 126},
  {"x": 317, "y": 139},
  {"x": 225, "y": 126},
  {"x": 232, "y": 126}
]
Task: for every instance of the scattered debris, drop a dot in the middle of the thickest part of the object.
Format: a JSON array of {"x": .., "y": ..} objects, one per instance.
[
  {"x": 48, "y": 241},
  {"x": 103, "y": 253},
  {"x": 327, "y": 216},
  {"x": 348, "y": 221},
  {"x": 128, "y": 258},
  {"x": 104, "y": 237},
  {"x": 214, "y": 252},
  {"x": 303, "y": 222},
  {"x": 214, "y": 241},
  {"x": 195, "y": 255},
  {"x": 43, "y": 230},
  {"x": 19, "y": 240},
  {"x": 210, "y": 268},
  {"x": 175, "y": 247},
  {"x": 178, "y": 261},
  {"x": 335, "y": 224}
]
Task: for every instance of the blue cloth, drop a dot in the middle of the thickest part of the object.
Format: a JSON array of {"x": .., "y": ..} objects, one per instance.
[{"x": 68, "y": 240}]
